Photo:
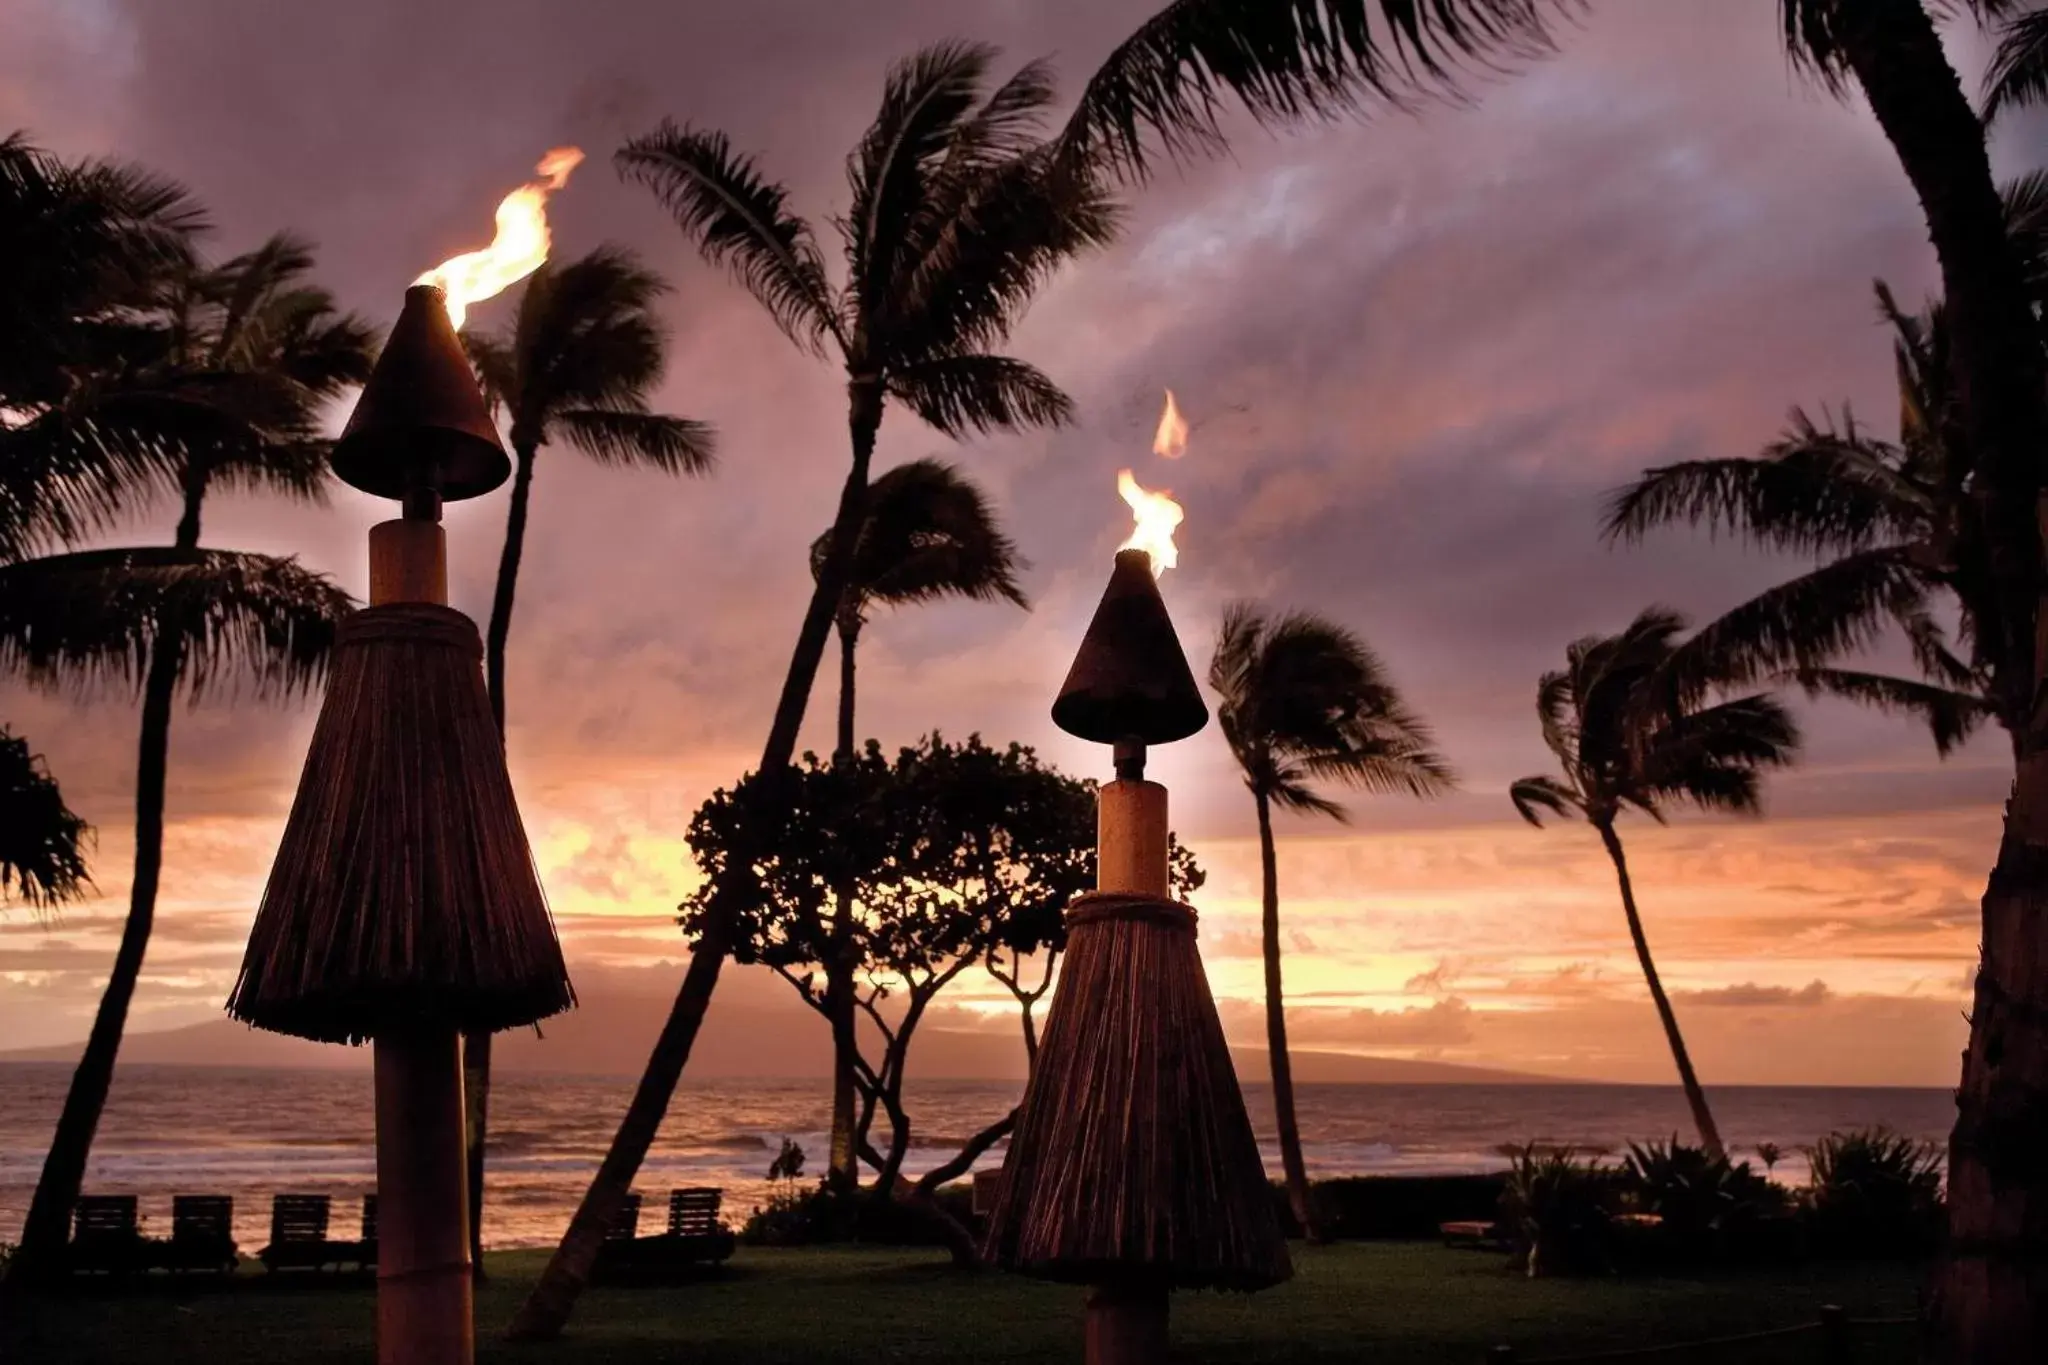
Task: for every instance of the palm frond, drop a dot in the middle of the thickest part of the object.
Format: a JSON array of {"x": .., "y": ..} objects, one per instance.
[
  {"x": 925, "y": 99},
  {"x": 1950, "y": 716},
  {"x": 42, "y": 841},
  {"x": 1750, "y": 733},
  {"x": 1007, "y": 228},
  {"x": 1164, "y": 89},
  {"x": 1534, "y": 795},
  {"x": 2026, "y": 223},
  {"x": 1733, "y": 791},
  {"x": 1816, "y": 489},
  {"x": 1290, "y": 792},
  {"x": 1837, "y": 609},
  {"x": 496, "y": 366},
  {"x": 738, "y": 219},
  {"x": 73, "y": 470},
  {"x": 1303, "y": 700},
  {"x": 929, "y": 533},
  {"x": 2018, "y": 76},
  {"x": 960, "y": 393},
  {"x": 586, "y": 334},
  {"x": 1394, "y": 763},
  {"x": 93, "y": 620},
  {"x": 674, "y": 445}
]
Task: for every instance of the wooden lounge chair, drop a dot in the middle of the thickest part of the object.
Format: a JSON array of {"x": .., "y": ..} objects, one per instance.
[
  {"x": 298, "y": 1234},
  {"x": 615, "y": 1253},
  {"x": 1473, "y": 1235},
  {"x": 105, "y": 1239},
  {"x": 695, "y": 1239},
  {"x": 202, "y": 1236},
  {"x": 693, "y": 1222}
]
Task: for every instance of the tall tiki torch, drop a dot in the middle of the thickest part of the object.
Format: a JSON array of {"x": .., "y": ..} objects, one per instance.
[
  {"x": 1133, "y": 1167},
  {"x": 403, "y": 908}
]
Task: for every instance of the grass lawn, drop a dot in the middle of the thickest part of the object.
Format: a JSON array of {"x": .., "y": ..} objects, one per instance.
[{"x": 1389, "y": 1302}]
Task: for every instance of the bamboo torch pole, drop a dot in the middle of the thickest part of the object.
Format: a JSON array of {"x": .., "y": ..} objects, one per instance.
[
  {"x": 1127, "y": 1321},
  {"x": 425, "y": 1315}
]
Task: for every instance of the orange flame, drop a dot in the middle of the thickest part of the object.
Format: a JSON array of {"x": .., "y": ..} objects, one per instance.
[
  {"x": 518, "y": 249},
  {"x": 1156, "y": 514},
  {"x": 1171, "y": 440}
]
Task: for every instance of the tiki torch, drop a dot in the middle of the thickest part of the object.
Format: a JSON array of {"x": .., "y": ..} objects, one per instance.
[
  {"x": 1133, "y": 1167},
  {"x": 403, "y": 908}
]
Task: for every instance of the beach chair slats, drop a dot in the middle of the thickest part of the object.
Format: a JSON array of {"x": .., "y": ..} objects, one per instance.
[
  {"x": 694, "y": 1212},
  {"x": 299, "y": 1240},
  {"x": 299, "y": 1218},
  {"x": 201, "y": 1216},
  {"x": 625, "y": 1225},
  {"x": 105, "y": 1217}
]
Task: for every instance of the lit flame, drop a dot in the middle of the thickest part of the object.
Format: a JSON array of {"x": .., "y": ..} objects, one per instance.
[
  {"x": 1171, "y": 440},
  {"x": 518, "y": 249},
  {"x": 1156, "y": 514}
]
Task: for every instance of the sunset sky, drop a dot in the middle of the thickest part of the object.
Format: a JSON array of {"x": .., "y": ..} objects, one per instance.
[{"x": 1415, "y": 354}]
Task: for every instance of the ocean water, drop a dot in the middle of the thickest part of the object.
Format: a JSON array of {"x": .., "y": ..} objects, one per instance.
[{"x": 254, "y": 1133}]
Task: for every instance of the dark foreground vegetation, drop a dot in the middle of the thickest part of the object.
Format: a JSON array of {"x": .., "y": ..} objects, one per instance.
[{"x": 1390, "y": 1302}]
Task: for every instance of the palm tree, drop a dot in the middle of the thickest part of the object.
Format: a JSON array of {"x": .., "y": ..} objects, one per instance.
[
  {"x": 253, "y": 352},
  {"x": 927, "y": 534},
  {"x": 1629, "y": 722},
  {"x": 42, "y": 861},
  {"x": 584, "y": 352},
  {"x": 958, "y": 215},
  {"x": 1306, "y": 701},
  {"x": 1990, "y": 1305}
]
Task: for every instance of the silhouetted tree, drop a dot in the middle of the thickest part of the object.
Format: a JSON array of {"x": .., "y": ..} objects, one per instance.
[
  {"x": 927, "y": 534},
  {"x": 576, "y": 367},
  {"x": 1628, "y": 720},
  {"x": 252, "y": 354},
  {"x": 1305, "y": 702},
  {"x": 958, "y": 216}
]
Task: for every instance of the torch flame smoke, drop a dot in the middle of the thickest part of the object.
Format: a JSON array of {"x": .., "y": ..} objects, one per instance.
[
  {"x": 1171, "y": 440},
  {"x": 1156, "y": 515},
  {"x": 518, "y": 249}
]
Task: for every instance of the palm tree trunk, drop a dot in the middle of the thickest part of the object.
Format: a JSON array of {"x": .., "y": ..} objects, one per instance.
[
  {"x": 547, "y": 1309},
  {"x": 1295, "y": 1169},
  {"x": 1695, "y": 1097},
  {"x": 476, "y": 1046},
  {"x": 49, "y": 1215},
  {"x": 841, "y": 1172},
  {"x": 1991, "y": 1295}
]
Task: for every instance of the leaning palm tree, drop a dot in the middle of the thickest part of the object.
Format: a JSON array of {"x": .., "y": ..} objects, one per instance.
[
  {"x": 576, "y": 367},
  {"x": 128, "y": 620},
  {"x": 958, "y": 215},
  {"x": 927, "y": 534},
  {"x": 42, "y": 859},
  {"x": 255, "y": 352},
  {"x": 1305, "y": 701},
  {"x": 1630, "y": 720}
]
